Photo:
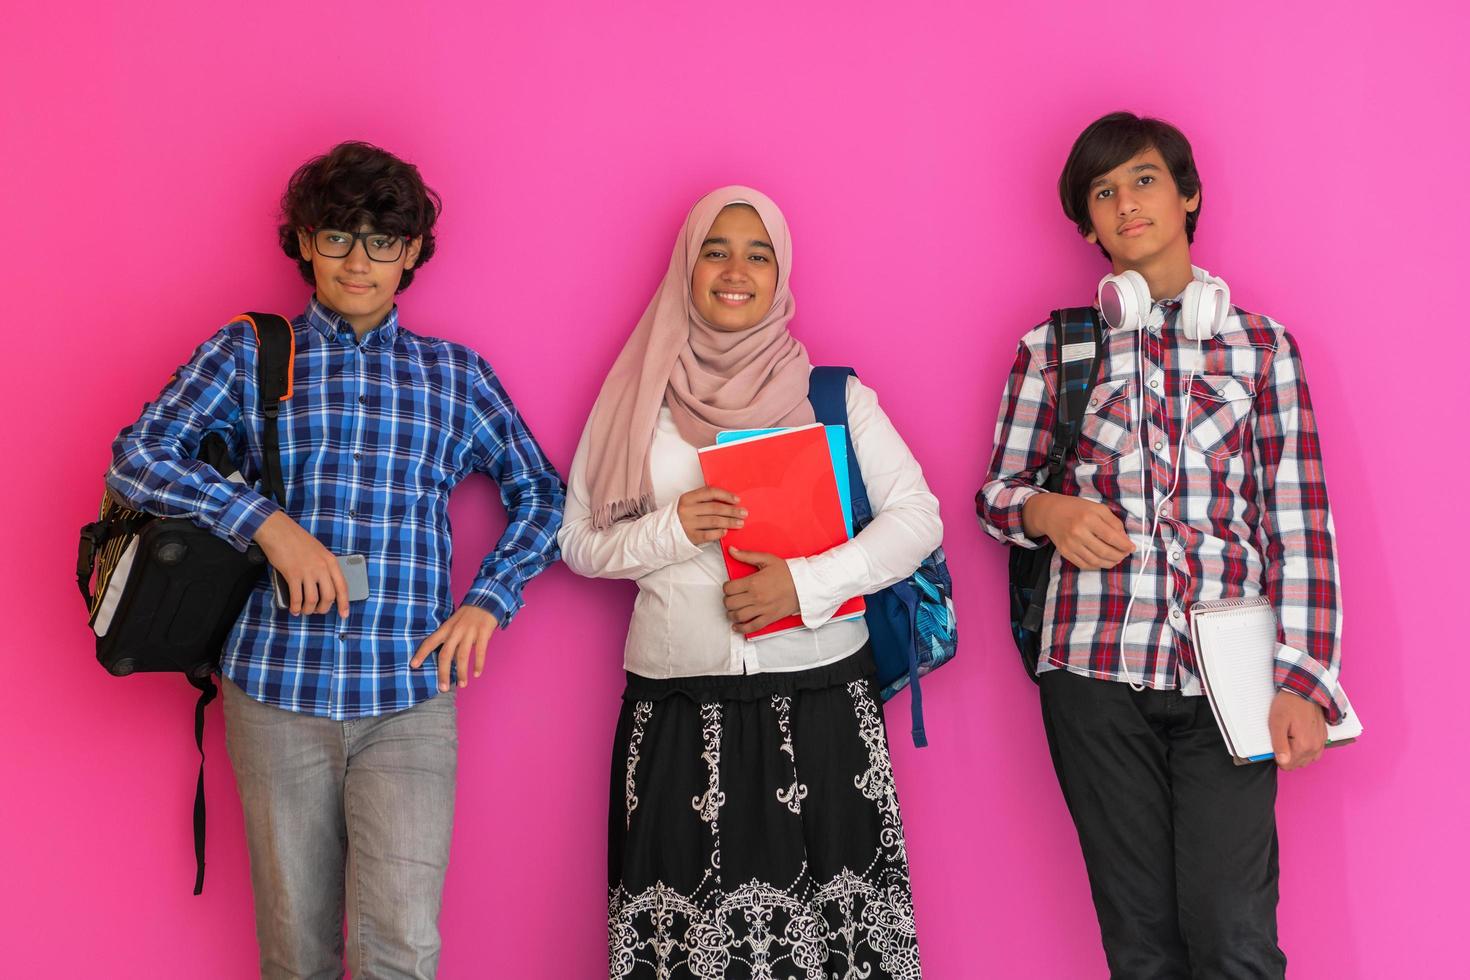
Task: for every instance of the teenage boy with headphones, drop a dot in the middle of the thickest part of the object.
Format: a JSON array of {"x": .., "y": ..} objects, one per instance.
[
  {"x": 340, "y": 715},
  {"x": 1197, "y": 476}
]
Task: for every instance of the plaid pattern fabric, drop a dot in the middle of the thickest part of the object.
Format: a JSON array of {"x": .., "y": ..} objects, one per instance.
[
  {"x": 1249, "y": 517},
  {"x": 373, "y": 439}
]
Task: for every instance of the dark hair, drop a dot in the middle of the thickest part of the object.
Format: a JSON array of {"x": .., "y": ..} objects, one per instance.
[
  {"x": 356, "y": 184},
  {"x": 1113, "y": 140}
]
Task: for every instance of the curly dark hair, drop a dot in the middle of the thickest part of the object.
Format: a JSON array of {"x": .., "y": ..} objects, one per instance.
[
  {"x": 1113, "y": 140},
  {"x": 356, "y": 184}
]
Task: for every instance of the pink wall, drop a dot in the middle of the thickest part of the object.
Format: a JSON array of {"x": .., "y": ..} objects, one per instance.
[{"x": 914, "y": 148}]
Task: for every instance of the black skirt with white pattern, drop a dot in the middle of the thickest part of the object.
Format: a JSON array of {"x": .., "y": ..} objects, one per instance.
[{"x": 754, "y": 830}]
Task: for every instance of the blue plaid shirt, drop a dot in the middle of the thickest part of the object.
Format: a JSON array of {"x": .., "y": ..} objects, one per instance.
[{"x": 373, "y": 439}]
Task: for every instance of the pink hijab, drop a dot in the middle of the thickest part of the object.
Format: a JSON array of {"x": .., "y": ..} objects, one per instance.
[{"x": 710, "y": 379}]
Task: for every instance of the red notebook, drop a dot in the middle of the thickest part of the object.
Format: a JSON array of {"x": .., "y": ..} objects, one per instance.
[{"x": 785, "y": 481}]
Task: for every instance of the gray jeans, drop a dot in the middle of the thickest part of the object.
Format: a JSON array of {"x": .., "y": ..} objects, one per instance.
[{"x": 346, "y": 818}]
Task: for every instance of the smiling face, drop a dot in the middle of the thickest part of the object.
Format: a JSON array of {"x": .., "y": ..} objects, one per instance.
[
  {"x": 1138, "y": 213},
  {"x": 355, "y": 286},
  {"x": 734, "y": 279}
]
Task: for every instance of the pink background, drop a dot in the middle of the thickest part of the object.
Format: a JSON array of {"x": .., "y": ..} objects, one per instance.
[{"x": 915, "y": 149}]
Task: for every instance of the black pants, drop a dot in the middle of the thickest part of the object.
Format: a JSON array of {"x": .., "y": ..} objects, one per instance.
[{"x": 1180, "y": 843}]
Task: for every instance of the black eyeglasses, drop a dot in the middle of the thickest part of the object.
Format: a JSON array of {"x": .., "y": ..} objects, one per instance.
[{"x": 380, "y": 246}]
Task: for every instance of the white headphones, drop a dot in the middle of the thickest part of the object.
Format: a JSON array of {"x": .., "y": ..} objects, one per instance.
[{"x": 1124, "y": 300}]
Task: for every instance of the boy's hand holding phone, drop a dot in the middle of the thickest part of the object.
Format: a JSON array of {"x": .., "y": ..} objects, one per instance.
[{"x": 310, "y": 572}]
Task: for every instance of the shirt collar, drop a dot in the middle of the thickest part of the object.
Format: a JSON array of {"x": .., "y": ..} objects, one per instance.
[
  {"x": 1173, "y": 302},
  {"x": 332, "y": 325}
]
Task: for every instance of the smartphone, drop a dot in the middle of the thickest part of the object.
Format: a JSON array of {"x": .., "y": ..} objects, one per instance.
[{"x": 354, "y": 570}]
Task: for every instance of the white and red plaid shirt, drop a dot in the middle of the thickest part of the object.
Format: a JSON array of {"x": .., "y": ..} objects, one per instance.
[{"x": 1249, "y": 516}]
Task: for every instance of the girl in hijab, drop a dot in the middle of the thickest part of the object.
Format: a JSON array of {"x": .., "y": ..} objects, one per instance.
[{"x": 754, "y": 828}]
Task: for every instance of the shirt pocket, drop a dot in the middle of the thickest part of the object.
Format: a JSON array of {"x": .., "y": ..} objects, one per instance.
[
  {"x": 1219, "y": 410},
  {"x": 1107, "y": 424}
]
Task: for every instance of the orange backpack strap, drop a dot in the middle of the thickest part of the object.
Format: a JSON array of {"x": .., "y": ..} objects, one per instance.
[{"x": 277, "y": 342}]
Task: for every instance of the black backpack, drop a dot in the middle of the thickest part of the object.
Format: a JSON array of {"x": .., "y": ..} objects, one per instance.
[
  {"x": 162, "y": 593},
  {"x": 1079, "y": 352}
]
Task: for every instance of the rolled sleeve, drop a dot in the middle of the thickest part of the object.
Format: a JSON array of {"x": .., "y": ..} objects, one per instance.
[{"x": 1306, "y": 677}]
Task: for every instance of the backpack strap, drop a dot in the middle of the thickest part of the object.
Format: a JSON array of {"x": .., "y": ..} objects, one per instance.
[
  {"x": 1079, "y": 339},
  {"x": 828, "y": 395},
  {"x": 276, "y": 373},
  {"x": 88, "y": 544},
  {"x": 276, "y": 369},
  {"x": 95, "y": 539},
  {"x": 827, "y": 392},
  {"x": 207, "y": 691}
]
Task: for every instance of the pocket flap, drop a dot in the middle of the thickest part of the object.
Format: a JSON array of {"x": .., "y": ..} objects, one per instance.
[
  {"x": 1105, "y": 394},
  {"x": 1223, "y": 388}
]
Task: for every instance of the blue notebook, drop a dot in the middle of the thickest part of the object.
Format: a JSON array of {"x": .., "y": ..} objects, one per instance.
[{"x": 836, "y": 443}]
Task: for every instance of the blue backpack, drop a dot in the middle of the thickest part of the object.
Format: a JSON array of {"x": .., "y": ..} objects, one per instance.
[{"x": 911, "y": 624}]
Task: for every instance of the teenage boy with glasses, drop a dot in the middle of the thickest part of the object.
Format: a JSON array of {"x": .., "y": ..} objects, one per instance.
[
  {"x": 340, "y": 716},
  {"x": 1180, "y": 843}
]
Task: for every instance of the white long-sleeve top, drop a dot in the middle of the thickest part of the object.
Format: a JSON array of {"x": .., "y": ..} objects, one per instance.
[{"x": 679, "y": 627}]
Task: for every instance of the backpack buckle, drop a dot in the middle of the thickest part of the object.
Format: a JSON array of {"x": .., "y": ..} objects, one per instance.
[{"x": 1056, "y": 457}]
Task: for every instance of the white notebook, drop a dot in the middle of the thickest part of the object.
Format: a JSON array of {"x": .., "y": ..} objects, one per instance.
[{"x": 1235, "y": 646}]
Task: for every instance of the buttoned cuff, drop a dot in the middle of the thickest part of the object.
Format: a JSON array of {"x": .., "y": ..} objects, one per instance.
[
  {"x": 243, "y": 516},
  {"x": 495, "y": 599}
]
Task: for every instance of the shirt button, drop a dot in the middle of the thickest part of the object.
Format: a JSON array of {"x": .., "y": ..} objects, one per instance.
[
  {"x": 1164, "y": 510},
  {"x": 352, "y": 513},
  {"x": 1176, "y": 613},
  {"x": 357, "y": 456},
  {"x": 1175, "y": 555},
  {"x": 1093, "y": 403},
  {"x": 362, "y": 399},
  {"x": 1154, "y": 383},
  {"x": 1158, "y": 447},
  {"x": 342, "y": 636}
]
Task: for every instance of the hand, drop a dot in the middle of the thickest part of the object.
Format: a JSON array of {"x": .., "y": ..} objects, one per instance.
[
  {"x": 1298, "y": 731},
  {"x": 310, "y": 570},
  {"x": 1086, "y": 533},
  {"x": 707, "y": 513},
  {"x": 762, "y": 597},
  {"x": 469, "y": 629}
]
